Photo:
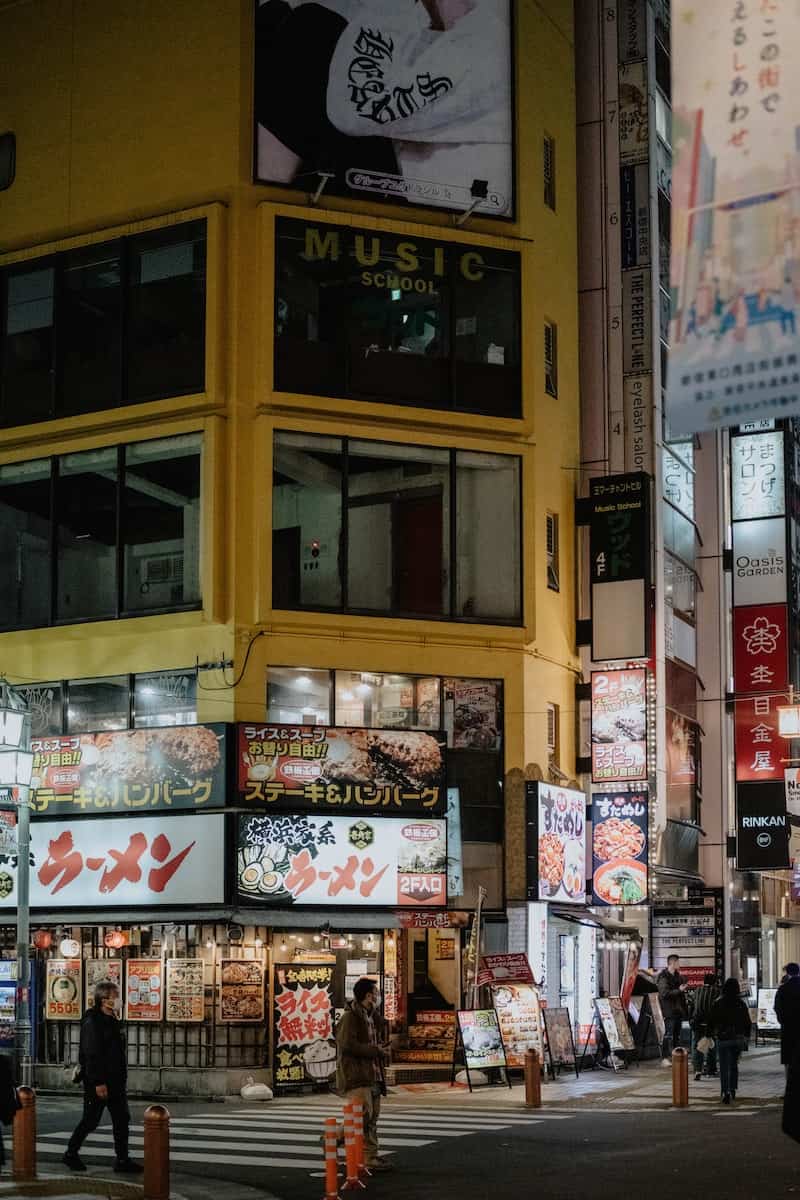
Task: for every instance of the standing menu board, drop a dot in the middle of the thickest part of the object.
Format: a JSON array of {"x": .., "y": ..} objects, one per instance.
[
  {"x": 614, "y": 1022},
  {"x": 305, "y": 1048},
  {"x": 241, "y": 993},
  {"x": 103, "y": 970},
  {"x": 560, "y": 1043},
  {"x": 63, "y": 989},
  {"x": 144, "y": 989},
  {"x": 185, "y": 991},
  {"x": 767, "y": 1017},
  {"x": 481, "y": 1039},
  {"x": 520, "y": 1019},
  {"x": 654, "y": 1000}
]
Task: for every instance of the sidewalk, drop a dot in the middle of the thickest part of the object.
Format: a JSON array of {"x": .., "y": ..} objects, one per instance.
[{"x": 57, "y": 1186}]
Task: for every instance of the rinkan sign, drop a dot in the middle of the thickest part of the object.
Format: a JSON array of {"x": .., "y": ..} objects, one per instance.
[{"x": 405, "y": 265}]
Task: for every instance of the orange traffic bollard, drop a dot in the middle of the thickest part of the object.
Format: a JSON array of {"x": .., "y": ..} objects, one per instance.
[
  {"x": 533, "y": 1080},
  {"x": 680, "y": 1078},
  {"x": 331, "y": 1164},
  {"x": 156, "y": 1152},
  {"x": 25, "y": 1136},
  {"x": 352, "y": 1182},
  {"x": 358, "y": 1129}
]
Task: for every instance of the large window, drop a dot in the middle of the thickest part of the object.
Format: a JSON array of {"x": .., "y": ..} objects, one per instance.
[
  {"x": 378, "y": 316},
  {"x": 104, "y": 325},
  {"x": 100, "y": 534},
  {"x": 111, "y": 702},
  {"x": 413, "y": 531}
]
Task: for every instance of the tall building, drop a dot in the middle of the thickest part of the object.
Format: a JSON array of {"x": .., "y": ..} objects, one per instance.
[{"x": 289, "y": 453}]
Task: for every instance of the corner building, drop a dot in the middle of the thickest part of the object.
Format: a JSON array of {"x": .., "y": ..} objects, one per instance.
[{"x": 289, "y": 441}]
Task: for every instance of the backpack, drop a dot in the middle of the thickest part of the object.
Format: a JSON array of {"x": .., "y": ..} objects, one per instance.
[{"x": 9, "y": 1102}]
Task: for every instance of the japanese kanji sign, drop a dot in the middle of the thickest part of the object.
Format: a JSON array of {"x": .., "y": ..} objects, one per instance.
[
  {"x": 323, "y": 769},
  {"x": 342, "y": 860},
  {"x": 619, "y": 726},
  {"x": 619, "y": 549},
  {"x": 305, "y": 1048},
  {"x": 760, "y": 648},
  {"x": 619, "y": 848},
  {"x": 121, "y": 861},
  {"x": 133, "y": 770},
  {"x": 144, "y": 989},
  {"x": 759, "y": 747},
  {"x": 504, "y": 968},
  {"x": 555, "y": 843},
  {"x": 758, "y": 485}
]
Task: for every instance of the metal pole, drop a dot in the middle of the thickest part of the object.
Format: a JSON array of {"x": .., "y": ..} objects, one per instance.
[{"x": 23, "y": 1021}]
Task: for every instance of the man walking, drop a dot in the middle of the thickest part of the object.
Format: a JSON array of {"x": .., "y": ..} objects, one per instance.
[
  {"x": 704, "y": 998},
  {"x": 359, "y": 1071},
  {"x": 672, "y": 991},
  {"x": 104, "y": 1073},
  {"x": 787, "y": 1010}
]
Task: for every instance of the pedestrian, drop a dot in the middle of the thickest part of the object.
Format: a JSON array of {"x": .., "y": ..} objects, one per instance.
[
  {"x": 672, "y": 991},
  {"x": 704, "y": 999},
  {"x": 359, "y": 1065},
  {"x": 787, "y": 1010},
  {"x": 104, "y": 1074},
  {"x": 729, "y": 1023},
  {"x": 8, "y": 1100}
]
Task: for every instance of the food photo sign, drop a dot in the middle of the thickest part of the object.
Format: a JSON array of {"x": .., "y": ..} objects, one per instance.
[
  {"x": 619, "y": 848},
  {"x": 555, "y": 843},
  {"x": 241, "y": 993},
  {"x": 63, "y": 989},
  {"x": 304, "y": 1042}
]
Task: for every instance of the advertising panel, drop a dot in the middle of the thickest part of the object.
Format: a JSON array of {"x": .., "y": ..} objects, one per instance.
[
  {"x": 619, "y": 726},
  {"x": 556, "y": 843},
  {"x": 520, "y": 1019},
  {"x": 472, "y": 713},
  {"x": 692, "y": 928},
  {"x": 619, "y": 848},
  {"x": 767, "y": 1017},
  {"x": 633, "y": 113},
  {"x": 103, "y": 970},
  {"x": 537, "y": 944},
  {"x": 185, "y": 990},
  {"x": 144, "y": 989},
  {"x": 762, "y": 827},
  {"x": 760, "y": 648},
  {"x": 392, "y": 104},
  {"x": 631, "y": 30},
  {"x": 759, "y": 747},
  {"x": 758, "y": 475},
  {"x": 760, "y": 573},
  {"x": 304, "y": 1043},
  {"x": 619, "y": 549},
  {"x": 637, "y": 404},
  {"x": 317, "y": 768},
  {"x": 504, "y": 968},
  {"x": 122, "y": 861},
  {"x": 241, "y": 992},
  {"x": 63, "y": 989},
  {"x": 614, "y": 1022},
  {"x": 791, "y": 783},
  {"x": 560, "y": 1042},
  {"x": 299, "y": 860},
  {"x": 634, "y": 186},
  {"x": 143, "y": 770},
  {"x": 632, "y": 960},
  {"x": 481, "y": 1039},
  {"x": 637, "y": 320},
  {"x": 431, "y": 1038},
  {"x": 659, "y": 1024}
]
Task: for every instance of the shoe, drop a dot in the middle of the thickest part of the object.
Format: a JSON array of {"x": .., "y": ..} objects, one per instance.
[
  {"x": 126, "y": 1166},
  {"x": 380, "y": 1164},
  {"x": 726, "y": 1099},
  {"x": 697, "y": 1076},
  {"x": 73, "y": 1162},
  {"x": 666, "y": 1062}
]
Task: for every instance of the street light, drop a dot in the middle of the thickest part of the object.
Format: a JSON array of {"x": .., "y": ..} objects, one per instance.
[{"x": 16, "y": 768}]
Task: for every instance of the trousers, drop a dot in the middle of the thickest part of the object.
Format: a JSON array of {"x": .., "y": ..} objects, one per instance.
[
  {"x": 372, "y": 1110},
  {"x": 672, "y": 1038},
  {"x": 117, "y": 1105},
  {"x": 729, "y": 1052}
]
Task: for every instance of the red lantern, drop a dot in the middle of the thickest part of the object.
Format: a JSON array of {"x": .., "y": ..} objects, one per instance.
[{"x": 42, "y": 939}]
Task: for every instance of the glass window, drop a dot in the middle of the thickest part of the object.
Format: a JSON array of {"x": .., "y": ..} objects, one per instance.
[
  {"x": 489, "y": 559},
  {"x": 161, "y": 523},
  {"x": 679, "y": 534},
  {"x": 166, "y": 313},
  {"x": 45, "y": 703},
  {"x": 680, "y": 586},
  {"x": 86, "y": 513},
  {"x": 486, "y": 334},
  {"x": 387, "y": 701},
  {"x": 25, "y": 544},
  {"x": 90, "y": 329},
  {"x": 298, "y": 696},
  {"x": 398, "y": 512},
  {"x": 306, "y": 521},
  {"x": 165, "y": 698},
  {"x": 478, "y": 776},
  {"x": 98, "y": 704},
  {"x": 28, "y": 345}
]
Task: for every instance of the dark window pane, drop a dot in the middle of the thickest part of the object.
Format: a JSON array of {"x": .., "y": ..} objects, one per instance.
[
  {"x": 488, "y": 581},
  {"x": 298, "y": 696},
  {"x": 89, "y": 329},
  {"x": 45, "y": 703},
  {"x": 28, "y": 350},
  {"x": 477, "y": 775},
  {"x": 98, "y": 704},
  {"x": 398, "y": 536},
  {"x": 25, "y": 544},
  {"x": 306, "y": 521},
  {"x": 166, "y": 322},
  {"x": 487, "y": 341},
  {"x": 86, "y": 510},
  {"x": 165, "y": 698},
  {"x": 161, "y": 523}
]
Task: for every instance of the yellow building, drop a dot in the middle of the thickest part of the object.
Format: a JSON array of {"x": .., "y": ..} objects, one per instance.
[{"x": 402, "y": 364}]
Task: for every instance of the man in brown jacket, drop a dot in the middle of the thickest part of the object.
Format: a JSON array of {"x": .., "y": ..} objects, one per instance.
[{"x": 359, "y": 1070}]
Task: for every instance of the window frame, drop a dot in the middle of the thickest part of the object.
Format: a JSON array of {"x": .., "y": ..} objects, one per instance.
[
  {"x": 549, "y": 170},
  {"x": 552, "y": 549},
  {"x": 551, "y": 360},
  {"x": 132, "y": 677}
]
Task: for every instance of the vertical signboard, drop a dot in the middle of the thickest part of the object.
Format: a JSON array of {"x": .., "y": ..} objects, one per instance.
[
  {"x": 762, "y": 827},
  {"x": 63, "y": 989},
  {"x": 694, "y": 930},
  {"x": 619, "y": 726},
  {"x": 556, "y": 843},
  {"x": 304, "y": 1045},
  {"x": 619, "y": 848},
  {"x": 619, "y": 547}
]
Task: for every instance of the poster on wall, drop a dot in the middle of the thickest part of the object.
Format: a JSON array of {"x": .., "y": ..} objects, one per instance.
[
  {"x": 318, "y": 768},
  {"x": 241, "y": 993},
  {"x": 304, "y": 1043},
  {"x": 619, "y": 726},
  {"x": 481, "y": 1039},
  {"x": 144, "y": 989},
  {"x": 556, "y": 843},
  {"x": 472, "y": 713},
  {"x": 520, "y": 1019},
  {"x": 63, "y": 989},
  {"x": 300, "y": 860},
  {"x": 407, "y": 108},
  {"x": 185, "y": 992},
  {"x": 103, "y": 970},
  {"x": 619, "y": 848}
]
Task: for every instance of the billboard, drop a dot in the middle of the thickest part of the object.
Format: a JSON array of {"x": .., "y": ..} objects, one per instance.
[
  {"x": 762, "y": 827},
  {"x": 619, "y": 725},
  {"x": 735, "y": 265},
  {"x": 760, "y": 569},
  {"x": 619, "y": 848},
  {"x": 333, "y": 861},
  {"x": 556, "y": 843},
  {"x": 404, "y": 102},
  {"x": 314, "y": 768}
]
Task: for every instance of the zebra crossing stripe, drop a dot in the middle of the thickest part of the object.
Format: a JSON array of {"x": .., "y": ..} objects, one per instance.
[{"x": 197, "y": 1156}]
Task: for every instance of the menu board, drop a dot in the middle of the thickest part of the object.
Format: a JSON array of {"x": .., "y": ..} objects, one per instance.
[
  {"x": 103, "y": 970},
  {"x": 430, "y": 1037},
  {"x": 555, "y": 843},
  {"x": 241, "y": 993},
  {"x": 520, "y": 1019},
  {"x": 654, "y": 1001},
  {"x": 619, "y": 848},
  {"x": 614, "y": 1022},
  {"x": 481, "y": 1039},
  {"x": 305, "y": 1048},
  {"x": 619, "y": 725},
  {"x": 504, "y": 968},
  {"x": 144, "y": 989},
  {"x": 63, "y": 989},
  {"x": 560, "y": 1043},
  {"x": 185, "y": 990},
  {"x": 767, "y": 1017}
]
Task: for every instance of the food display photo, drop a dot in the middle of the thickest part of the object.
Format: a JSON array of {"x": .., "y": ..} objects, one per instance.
[
  {"x": 558, "y": 816},
  {"x": 619, "y": 848},
  {"x": 241, "y": 993}
]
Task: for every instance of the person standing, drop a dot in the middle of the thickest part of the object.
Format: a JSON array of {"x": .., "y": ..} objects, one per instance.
[
  {"x": 787, "y": 1010},
  {"x": 104, "y": 1073},
  {"x": 730, "y": 1024},
  {"x": 359, "y": 1065},
  {"x": 704, "y": 1000},
  {"x": 672, "y": 992}
]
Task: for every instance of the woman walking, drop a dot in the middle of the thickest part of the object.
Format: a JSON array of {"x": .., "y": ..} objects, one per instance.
[{"x": 729, "y": 1023}]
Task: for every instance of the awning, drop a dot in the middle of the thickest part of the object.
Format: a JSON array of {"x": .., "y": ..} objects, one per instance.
[{"x": 583, "y": 916}]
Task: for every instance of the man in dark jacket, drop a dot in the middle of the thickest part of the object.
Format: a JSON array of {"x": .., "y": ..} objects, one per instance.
[
  {"x": 104, "y": 1072},
  {"x": 787, "y": 1010},
  {"x": 359, "y": 1071},
  {"x": 672, "y": 992},
  {"x": 704, "y": 999}
]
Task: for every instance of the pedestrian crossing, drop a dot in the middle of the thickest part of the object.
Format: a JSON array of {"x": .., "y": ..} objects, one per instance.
[{"x": 285, "y": 1134}]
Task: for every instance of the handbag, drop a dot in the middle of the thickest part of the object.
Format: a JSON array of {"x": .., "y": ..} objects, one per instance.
[{"x": 705, "y": 1044}]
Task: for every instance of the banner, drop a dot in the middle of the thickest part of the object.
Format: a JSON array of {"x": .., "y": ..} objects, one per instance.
[
  {"x": 759, "y": 747},
  {"x": 762, "y": 827},
  {"x": 103, "y": 970},
  {"x": 185, "y": 989},
  {"x": 304, "y": 1044},
  {"x": 481, "y": 1039},
  {"x": 619, "y": 848},
  {"x": 143, "y": 770},
  {"x": 520, "y": 1019},
  {"x": 504, "y": 968},
  {"x": 760, "y": 648},
  {"x": 619, "y": 726},
  {"x": 337, "y": 861},
  {"x": 316, "y": 768},
  {"x": 556, "y": 843},
  {"x": 63, "y": 989},
  {"x": 734, "y": 259},
  {"x": 144, "y": 989},
  {"x": 391, "y": 105},
  {"x": 632, "y": 960}
]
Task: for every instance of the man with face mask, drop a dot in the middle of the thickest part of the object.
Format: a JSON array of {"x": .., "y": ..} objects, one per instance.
[{"x": 359, "y": 1064}]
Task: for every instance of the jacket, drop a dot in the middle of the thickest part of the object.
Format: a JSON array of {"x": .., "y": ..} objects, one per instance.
[
  {"x": 356, "y": 1051},
  {"x": 673, "y": 1000},
  {"x": 704, "y": 1000},
  {"x": 729, "y": 1019},
  {"x": 102, "y": 1051},
  {"x": 787, "y": 1010}
]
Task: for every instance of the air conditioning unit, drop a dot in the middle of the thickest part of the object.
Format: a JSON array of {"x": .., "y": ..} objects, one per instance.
[{"x": 162, "y": 569}]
